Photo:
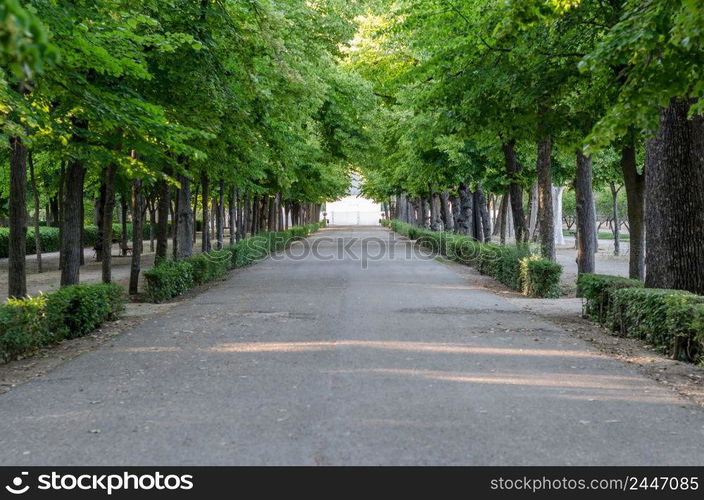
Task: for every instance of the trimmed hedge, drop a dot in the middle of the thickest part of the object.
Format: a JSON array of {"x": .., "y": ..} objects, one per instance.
[
  {"x": 29, "y": 324},
  {"x": 49, "y": 237},
  {"x": 670, "y": 320},
  {"x": 170, "y": 278},
  {"x": 512, "y": 266},
  {"x": 597, "y": 289}
]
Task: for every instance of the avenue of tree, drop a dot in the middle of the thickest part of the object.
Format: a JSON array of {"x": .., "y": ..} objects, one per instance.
[
  {"x": 472, "y": 116},
  {"x": 497, "y": 106}
]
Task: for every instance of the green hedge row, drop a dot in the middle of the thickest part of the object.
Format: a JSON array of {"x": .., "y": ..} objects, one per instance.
[
  {"x": 512, "y": 266},
  {"x": 172, "y": 278},
  {"x": 49, "y": 237},
  {"x": 670, "y": 320},
  {"x": 29, "y": 324}
]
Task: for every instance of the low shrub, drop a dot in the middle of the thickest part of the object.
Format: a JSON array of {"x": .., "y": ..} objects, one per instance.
[
  {"x": 672, "y": 321},
  {"x": 76, "y": 310},
  {"x": 597, "y": 290},
  {"x": 73, "y": 311},
  {"x": 540, "y": 277},
  {"x": 168, "y": 279},
  {"x": 385, "y": 222},
  {"x": 512, "y": 266},
  {"x": 643, "y": 313}
]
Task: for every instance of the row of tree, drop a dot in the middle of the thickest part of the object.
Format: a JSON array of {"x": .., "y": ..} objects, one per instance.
[
  {"x": 136, "y": 107},
  {"x": 481, "y": 97}
]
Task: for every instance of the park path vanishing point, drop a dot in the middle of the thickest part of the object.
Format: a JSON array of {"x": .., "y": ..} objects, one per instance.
[{"x": 322, "y": 362}]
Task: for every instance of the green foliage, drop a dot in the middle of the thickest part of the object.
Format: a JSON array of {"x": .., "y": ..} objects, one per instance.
[
  {"x": 540, "y": 277},
  {"x": 76, "y": 310},
  {"x": 168, "y": 279},
  {"x": 670, "y": 320},
  {"x": 643, "y": 313},
  {"x": 597, "y": 290},
  {"x": 512, "y": 266},
  {"x": 29, "y": 324}
]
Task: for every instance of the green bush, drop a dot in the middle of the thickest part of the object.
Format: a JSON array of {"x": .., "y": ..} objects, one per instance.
[
  {"x": 512, "y": 266},
  {"x": 23, "y": 327},
  {"x": 643, "y": 313},
  {"x": 210, "y": 266},
  {"x": 385, "y": 222},
  {"x": 168, "y": 279},
  {"x": 76, "y": 310},
  {"x": 31, "y": 323},
  {"x": 540, "y": 277},
  {"x": 597, "y": 290}
]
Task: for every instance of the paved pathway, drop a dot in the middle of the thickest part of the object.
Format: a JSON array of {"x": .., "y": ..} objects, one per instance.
[{"x": 323, "y": 362}]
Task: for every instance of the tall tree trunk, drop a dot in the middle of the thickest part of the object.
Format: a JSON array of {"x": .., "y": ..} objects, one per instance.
[
  {"x": 152, "y": 224},
  {"x": 545, "y": 214},
  {"x": 513, "y": 170},
  {"x": 220, "y": 219},
  {"x": 37, "y": 234},
  {"x": 109, "y": 174},
  {"x": 503, "y": 215},
  {"x": 557, "y": 213},
  {"x": 435, "y": 220},
  {"x": 482, "y": 227},
  {"x": 674, "y": 201},
  {"x": 72, "y": 224},
  {"x": 162, "y": 228},
  {"x": 205, "y": 207},
  {"x": 456, "y": 213},
  {"x": 402, "y": 208},
  {"x": 62, "y": 183},
  {"x": 17, "y": 250},
  {"x": 447, "y": 219},
  {"x": 617, "y": 221},
  {"x": 194, "y": 199},
  {"x": 184, "y": 217},
  {"x": 232, "y": 214},
  {"x": 137, "y": 240},
  {"x": 466, "y": 224},
  {"x": 98, "y": 220},
  {"x": 635, "y": 196},
  {"x": 124, "y": 237},
  {"x": 533, "y": 211},
  {"x": 586, "y": 223},
  {"x": 174, "y": 219}
]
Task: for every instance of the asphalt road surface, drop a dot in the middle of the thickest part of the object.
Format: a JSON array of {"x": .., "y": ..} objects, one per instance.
[{"x": 327, "y": 359}]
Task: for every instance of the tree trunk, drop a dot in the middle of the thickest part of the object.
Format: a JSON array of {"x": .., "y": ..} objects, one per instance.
[
  {"x": 674, "y": 201},
  {"x": 71, "y": 222},
  {"x": 635, "y": 196},
  {"x": 557, "y": 214},
  {"x": 124, "y": 237},
  {"x": 184, "y": 217},
  {"x": 137, "y": 205},
  {"x": 545, "y": 213},
  {"x": 108, "y": 208},
  {"x": 585, "y": 214},
  {"x": 17, "y": 249},
  {"x": 616, "y": 222},
  {"x": 447, "y": 219},
  {"x": 466, "y": 224},
  {"x": 232, "y": 214},
  {"x": 503, "y": 216},
  {"x": 205, "y": 208},
  {"x": 513, "y": 169},
  {"x": 194, "y": 200},
  {"x": 162, "y": 228},
  {"x": 37, "y": 234},
  {"x": 482, "y": 227},
  {"x": 533, "y": 212},
  {"x": 220, "y": 220},
  {"x": 435, "y": 220},
  {"x": 174, "y": 219},
  {"x": 456, "y": 213}
]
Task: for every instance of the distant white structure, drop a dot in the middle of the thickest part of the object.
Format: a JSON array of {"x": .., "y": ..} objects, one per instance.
[{"x": 353, "y": 209}]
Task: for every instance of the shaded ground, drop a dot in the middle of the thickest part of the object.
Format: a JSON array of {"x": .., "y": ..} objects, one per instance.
[{"x": 320, "y": 361}]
